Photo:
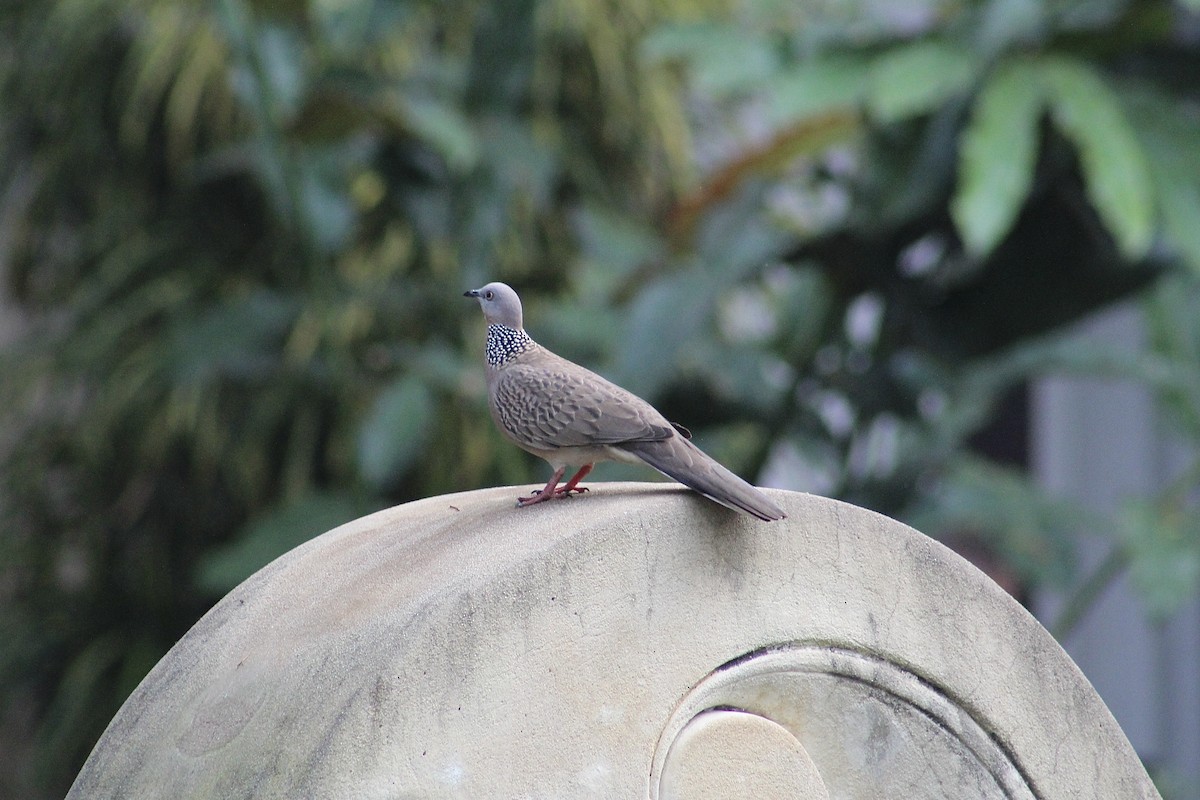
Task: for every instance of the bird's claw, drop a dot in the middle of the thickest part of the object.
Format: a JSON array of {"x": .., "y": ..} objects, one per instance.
[{"x": 537, "y": 495}]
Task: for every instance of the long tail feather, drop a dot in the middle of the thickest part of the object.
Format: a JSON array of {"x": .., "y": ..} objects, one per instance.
[{"x": 678, "y": 458}]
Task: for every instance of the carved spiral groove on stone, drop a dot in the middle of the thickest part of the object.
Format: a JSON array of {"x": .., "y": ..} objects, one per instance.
[{"x": 807, "y": 720}]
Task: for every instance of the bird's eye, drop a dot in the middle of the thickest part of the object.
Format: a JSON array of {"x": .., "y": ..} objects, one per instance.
[{"x": 488, "y": 295}]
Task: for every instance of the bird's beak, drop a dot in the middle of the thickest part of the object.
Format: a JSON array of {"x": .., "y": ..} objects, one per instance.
[{"x": 471, "y": 293}]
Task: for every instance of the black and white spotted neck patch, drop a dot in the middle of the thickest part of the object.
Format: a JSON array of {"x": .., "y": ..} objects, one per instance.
[{"x": 504, "y": 343}]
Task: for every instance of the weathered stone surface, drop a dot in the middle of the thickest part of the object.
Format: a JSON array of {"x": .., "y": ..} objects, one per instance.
[
  {"x": 723, "y": 754},
  {"x": 636, "y": 642}
]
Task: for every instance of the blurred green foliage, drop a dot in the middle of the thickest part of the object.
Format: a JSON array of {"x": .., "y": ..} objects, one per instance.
[{"x": 831, "y": 238}]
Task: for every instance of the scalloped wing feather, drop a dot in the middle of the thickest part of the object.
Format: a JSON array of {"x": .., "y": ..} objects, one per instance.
[{"x": 555, "y": 404}]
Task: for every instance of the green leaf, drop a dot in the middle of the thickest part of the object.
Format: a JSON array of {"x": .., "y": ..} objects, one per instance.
[
  {"x": 1179, "y": 199},
  {"x": 615, "y": 244},
  {"x": 817, "y": 86},
  {"x": 736, "y": 239},
  {"x": 1173, "y": 318},
  {"x": 916, "y": 78},
  {"x": 1086, "y": 111},
  {"x": 680, "y": 41},
  {"x": 734, "y": 63},
  {"x": 139, "y": 658},
  {"x": 582, "y": 328},
  {"x": 1167, "y": 129},
  {"x": 1032, "y": 532},
  {"x": 1005, "y": 23},
  {"x": 804, "y": 300},
  {"x": 446, "y": 129},
  {"x": 996, "y": 158},
  {"x": 241, "y": 337},
  {"x": 350, "y": 29},
  {"x": 395, "y": 431},
  {"x": 328, "y": 210},
  {"x": 272, "y": 534},
  {"x": 721, "y": 58},
  {"x": 519, "y": 161},
  {"x": 67, "y": 720},
  {"x": 1164, "y": 551},
  {"x": 734, "y": 445},
  {"x": 665, "y": 319},
  {"x": 281, "y": 60},
  {"x": 439, "y": 365}
]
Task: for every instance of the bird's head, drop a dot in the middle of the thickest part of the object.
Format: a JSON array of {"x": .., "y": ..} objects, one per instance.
[{"x": 500, "y": 304}]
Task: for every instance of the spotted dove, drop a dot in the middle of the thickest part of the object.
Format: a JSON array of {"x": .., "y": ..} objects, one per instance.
[{"x": 572, "y": 417}]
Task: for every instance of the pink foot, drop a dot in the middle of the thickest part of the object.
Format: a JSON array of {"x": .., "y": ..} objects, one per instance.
[
  {"x": 538, "y": 496},
  {"x": 553, "y": 491}
]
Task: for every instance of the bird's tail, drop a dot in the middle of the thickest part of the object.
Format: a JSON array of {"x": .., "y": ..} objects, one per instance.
[{"x": 678, "y": 458}]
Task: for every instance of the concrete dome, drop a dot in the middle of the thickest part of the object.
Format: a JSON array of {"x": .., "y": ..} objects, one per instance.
[{"x": 638, "y": 641}]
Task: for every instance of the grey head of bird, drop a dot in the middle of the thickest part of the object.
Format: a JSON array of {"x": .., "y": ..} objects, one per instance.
[{"x": 500, "y": 304}]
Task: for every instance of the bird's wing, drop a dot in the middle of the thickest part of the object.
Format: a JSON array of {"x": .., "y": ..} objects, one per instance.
[{"x": 546, "y": 406}]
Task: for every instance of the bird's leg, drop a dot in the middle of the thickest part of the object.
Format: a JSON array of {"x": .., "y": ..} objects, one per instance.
[
  {"x": 545, "y": 493},
  {"x": 573, "y": 484},
  {"x": 552, "y": 490}
]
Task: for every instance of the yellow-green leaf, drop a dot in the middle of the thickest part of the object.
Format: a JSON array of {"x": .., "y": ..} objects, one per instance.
[
  {"x": 1086, "y": 110},
  {"x": 1164, "y": 555},
  {"x": 816, "y": 87},
  {"x": 1167, "y": 131},
  {"x": 395, "y": 431},
  {"x": 916, "y": 78},
  {"x": 996, "y": 157}
]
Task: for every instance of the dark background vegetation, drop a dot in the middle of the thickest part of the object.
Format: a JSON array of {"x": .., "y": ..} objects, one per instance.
[{"x": 835, "y": 239}]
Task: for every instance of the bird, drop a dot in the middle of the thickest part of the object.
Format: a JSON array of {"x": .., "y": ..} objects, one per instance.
[{"x": 572, "y": 417}]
